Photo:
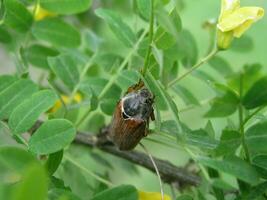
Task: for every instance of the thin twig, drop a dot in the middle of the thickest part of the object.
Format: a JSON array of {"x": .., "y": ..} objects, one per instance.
[
  {"x": 156, "y": 169},
  {"x": 150, "y": 37},
  {"x": 201, "y": 62},
  {"x": 170, "y": 173}
]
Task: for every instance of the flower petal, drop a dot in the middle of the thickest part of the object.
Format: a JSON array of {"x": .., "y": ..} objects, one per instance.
[
  {"x": 228, "y": 6},
  {"x": 240, "y": 20}
]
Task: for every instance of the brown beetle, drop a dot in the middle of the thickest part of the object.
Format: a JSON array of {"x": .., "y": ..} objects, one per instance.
[{"x": 130, "y": 120}]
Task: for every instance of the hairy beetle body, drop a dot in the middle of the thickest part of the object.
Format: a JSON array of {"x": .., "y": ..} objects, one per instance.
[{"x": 131, "y": 118}]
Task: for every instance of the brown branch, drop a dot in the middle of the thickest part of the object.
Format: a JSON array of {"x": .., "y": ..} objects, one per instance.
[{"x": 170, "y": 173}]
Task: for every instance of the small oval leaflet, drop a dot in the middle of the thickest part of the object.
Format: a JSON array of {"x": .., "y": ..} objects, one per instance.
[{"x": 52, "y": 136}]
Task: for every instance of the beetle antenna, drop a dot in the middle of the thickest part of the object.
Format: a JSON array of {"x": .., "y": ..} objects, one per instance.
[{"x": 156, "y": 169}]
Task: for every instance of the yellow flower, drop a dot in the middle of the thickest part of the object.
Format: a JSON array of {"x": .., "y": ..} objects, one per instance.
[
  {"x": 235, "y": 20},
  {"x": 41, "y": 13},
  {"x": 151, "y": 196},
  {"x": 77, "y": 98}
]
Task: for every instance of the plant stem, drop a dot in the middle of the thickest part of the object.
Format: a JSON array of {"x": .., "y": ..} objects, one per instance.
[
  {"x": 197, "y": 65},
  {"x": 150, "y": 36},
  {"x": 113, "y": 78},
  {"x": 252, "y": 115},
  {"x": 241, "y": 120},
  {"x": 85, "y": 69},
  {"x": 156, "y": 170}
]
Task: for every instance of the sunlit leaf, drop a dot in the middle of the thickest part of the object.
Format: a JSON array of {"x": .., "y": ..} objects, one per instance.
[
  {"x": 52, "y": 136},
  {"x": 14, "y": 94},
  {"x": 66, "y": 69},
  {"x": 5, "y": 81},
  {"x": 26, "y": 114},
  {"x": 66, "y": 7},
  {"x": 17, "y": 16},
  {"x": 144, "y": 8},
  {"x": 120, "y": 29},
  {"x": 56, "y": 32}
]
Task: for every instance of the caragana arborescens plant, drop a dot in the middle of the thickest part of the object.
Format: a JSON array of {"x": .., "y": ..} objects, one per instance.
[{"x": 66, "y": 63}]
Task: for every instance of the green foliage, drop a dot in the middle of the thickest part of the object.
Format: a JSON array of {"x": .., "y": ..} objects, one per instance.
[
  {"x": 119, "y": 28},
  {"x": 56, "y": 32},
  {"x": 14, "y": 94},
  {"x": 234, "y": 166},
  {"x": 17, "y": 16},
  {"x": 66, "y": 7},
  {"x": 123, "y": 192},
  {"x": 65, "y": 64},
  {"x": 25, "y": 115},
  {"x": 53, "y": 135},
  {"x": 32, "y": 187}
]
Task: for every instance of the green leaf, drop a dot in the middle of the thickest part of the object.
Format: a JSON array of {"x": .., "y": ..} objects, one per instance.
[
  {"x": 230, "y": 141},
  {"x": 144, "y": 8},
  {"x": 221, "y": 66},
  {"x": 186, "y": 95},
  {"x": 52, "y": 136},
  {"x": 127, "y": 78},
  {"x": 14, "y": 94},
  {"x": 199, "y": 138},
  {"x": 60, "y": 194},
  {"x": 5, "y": 81},
  {"x": 108, "y": 105},
  {"x": 33, "y": 186},
  {"x": 14, "y": 160},
  {"x": 66, "y": 7},
  {"x": 171, "y": 23},
  {"x": 66, "y": 69},
  {"x": 163, "y": 39},
  {"x": 256, "y": 95},
  {"x": 53, "y": 162},
  {"x": 162, "y": 99},
  {"x": 233, "y": 165},
  {"x": 96, "y": 85},
  {"x": 5, "y": 36},
  {"x": 27, "y": 113},
  {"x": 187, "y": 46},
  {"x": 256, "y": 138},
  {"x": 260, "y": 161},
  {"x": 56, "y": 32},
  {"x": 169, "y": 127},
  {"x": 37, "y": 55},
  {"x": 122, "y": 31},
  {"x": 251, "y": 74},
  {"x": 17, "y": 16},
  {"x": 184, "y": 197},
  {"x": 256, "y": 191},
  {"x": 223, "y": 105},
  {"x": 123, "y": 192}
]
